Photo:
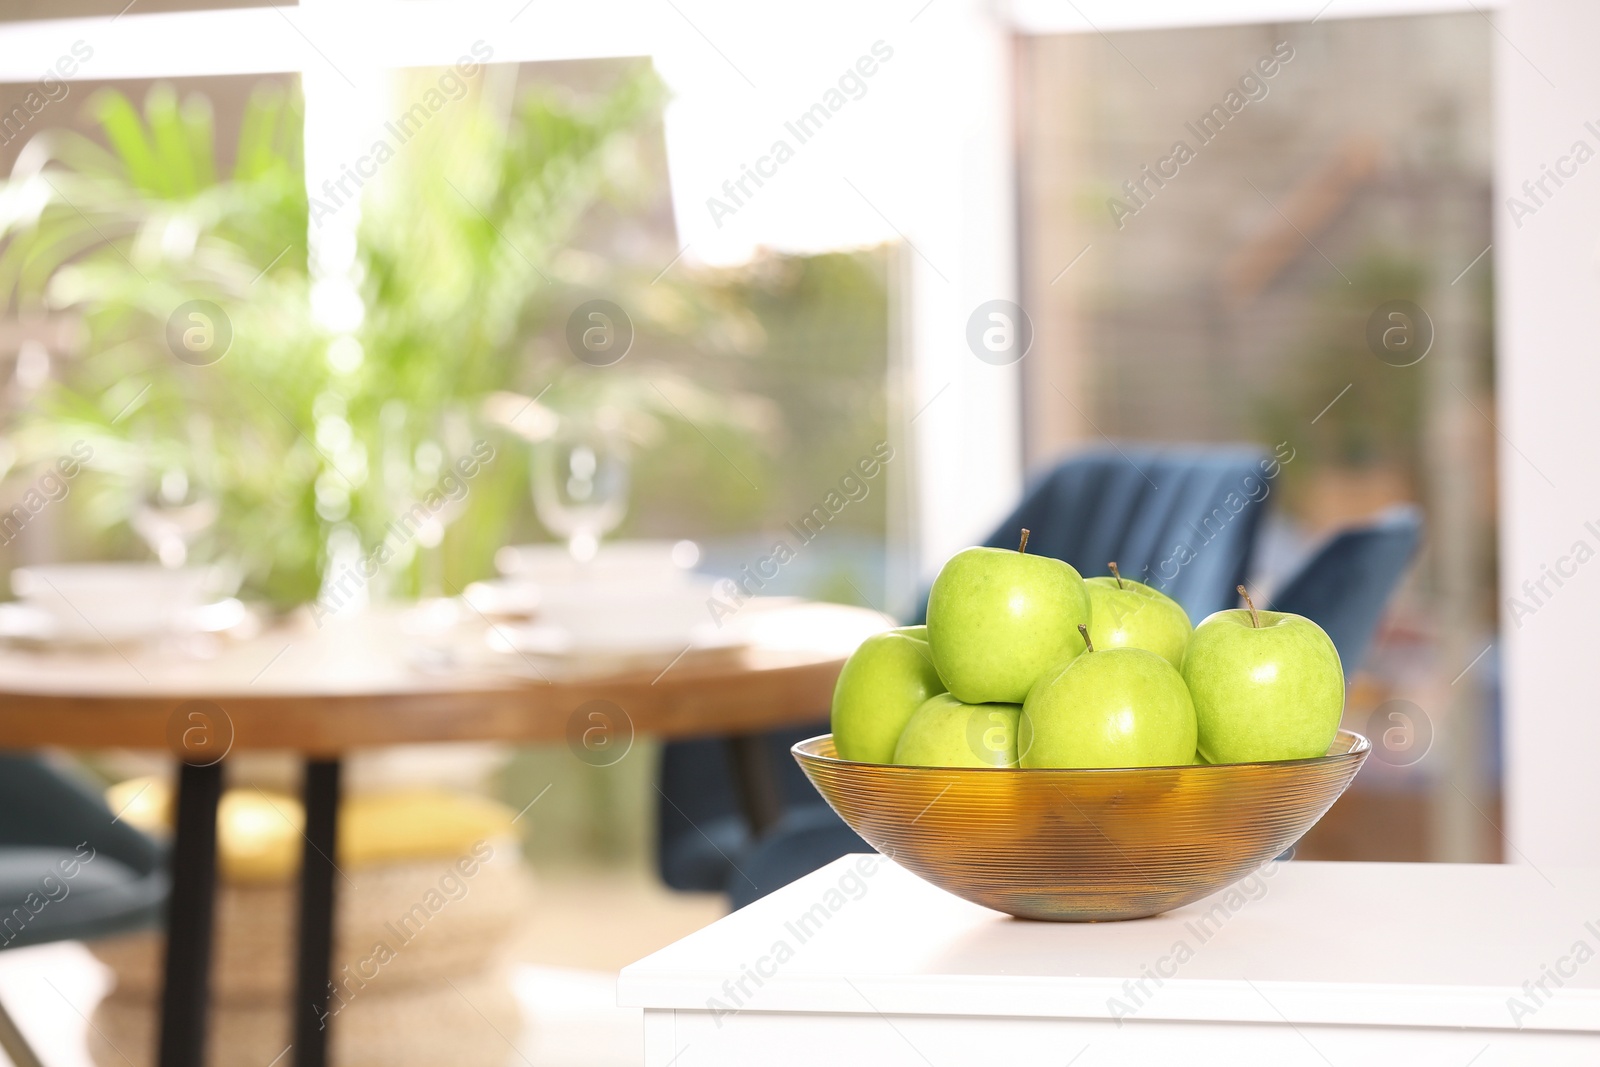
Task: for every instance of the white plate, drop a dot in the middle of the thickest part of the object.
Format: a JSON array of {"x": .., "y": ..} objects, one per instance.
[
  {"x": 610, "y": 621},
  {"x": 116, "y": 602},
  {"x": 503, "y": 597}
]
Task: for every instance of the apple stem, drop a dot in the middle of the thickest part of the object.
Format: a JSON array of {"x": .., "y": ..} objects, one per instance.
[
  {"x": 1255, "y": 616},
  {"x": 1084, "y": 630},
  {"x": 1022, "y": 546},
  {"x": 1115, "y": 573}
]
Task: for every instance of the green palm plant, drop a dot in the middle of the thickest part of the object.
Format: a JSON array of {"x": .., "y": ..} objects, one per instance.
[
  {"x": 472, "y": 259},
  {"x": 124, "y": 234},
  {"x": 460, "y": 265}
]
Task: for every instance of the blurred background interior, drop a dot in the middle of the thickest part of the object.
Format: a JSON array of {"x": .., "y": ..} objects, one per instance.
[{"x": 382, "y": 331}]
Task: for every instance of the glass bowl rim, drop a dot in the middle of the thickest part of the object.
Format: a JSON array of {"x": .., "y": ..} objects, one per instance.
[{"x": 1359, "y": 746}]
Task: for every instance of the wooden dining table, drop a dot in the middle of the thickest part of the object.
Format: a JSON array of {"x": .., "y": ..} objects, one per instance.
[{"x": 379, "y": 678}]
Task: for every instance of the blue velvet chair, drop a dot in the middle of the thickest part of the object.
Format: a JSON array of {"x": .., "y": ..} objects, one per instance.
[
  {"x": 1345, "y": 585},
  {"x": 68, "y": 869},
  {"x": 1183, "y": 518},
  {"x": 806, "y": 838},
  {"x": 718, "y": 795}
]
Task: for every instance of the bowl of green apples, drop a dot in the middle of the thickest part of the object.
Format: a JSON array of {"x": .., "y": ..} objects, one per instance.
[{"x": 1069, "y": 749}]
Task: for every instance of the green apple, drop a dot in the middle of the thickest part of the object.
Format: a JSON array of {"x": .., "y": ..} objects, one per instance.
[
  {"x": 944, "y": 732},
  {"x": 1115, "y": 707},
  {"x": 1267, "y": 685},
  {"x": 886, "y": 678},
  {"x": 1129, "y": 614},
  {"x": 998, "y": 619}
]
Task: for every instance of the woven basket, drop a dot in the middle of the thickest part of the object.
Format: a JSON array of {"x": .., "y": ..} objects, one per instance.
[
  {"x": 424, "y": 1026},
  {"x": 255, "y": 928},
  {"x": 435, "y": 926}
]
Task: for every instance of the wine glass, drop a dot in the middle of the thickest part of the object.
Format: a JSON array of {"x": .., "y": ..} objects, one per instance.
[
  {"x": 434, "y": 459},
  {"x": 420, "y": 465},
  {"x": 173, "y": 510},
  {"x": 580, "y": 486}
]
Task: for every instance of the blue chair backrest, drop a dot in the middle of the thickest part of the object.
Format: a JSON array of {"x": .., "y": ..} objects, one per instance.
[
  {"x": 1181, "y": 518},
  {"x": 42, "y": 806},
  {"x": 700, "y": 822},
  {"x": 48, "y": 817},
  {"x": 1346, "y": 583}
]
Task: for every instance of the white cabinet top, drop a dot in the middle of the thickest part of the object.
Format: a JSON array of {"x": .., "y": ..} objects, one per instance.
[{"x": 1496, "y": 946}]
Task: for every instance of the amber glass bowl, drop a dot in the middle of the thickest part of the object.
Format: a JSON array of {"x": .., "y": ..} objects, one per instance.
[{"x": 1083, "y": 845}]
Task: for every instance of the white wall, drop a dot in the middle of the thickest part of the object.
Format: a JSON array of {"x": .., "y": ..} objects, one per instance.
[
  {"x": 966, "y": 442},
  {"x": 1548, "y": 292}
]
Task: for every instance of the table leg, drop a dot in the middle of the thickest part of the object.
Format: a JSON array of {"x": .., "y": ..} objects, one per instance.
[
  {"x": 756, "y": 780},
  {"x": 185, "y": 996},
  {"x": 314, "y": 957}
]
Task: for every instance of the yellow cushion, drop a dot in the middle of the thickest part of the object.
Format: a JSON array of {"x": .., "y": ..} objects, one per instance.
[
  {"x": 417, "y": 823},
  {"x": 143, "y": 803},
  {"x": 259, "y": 833}
]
